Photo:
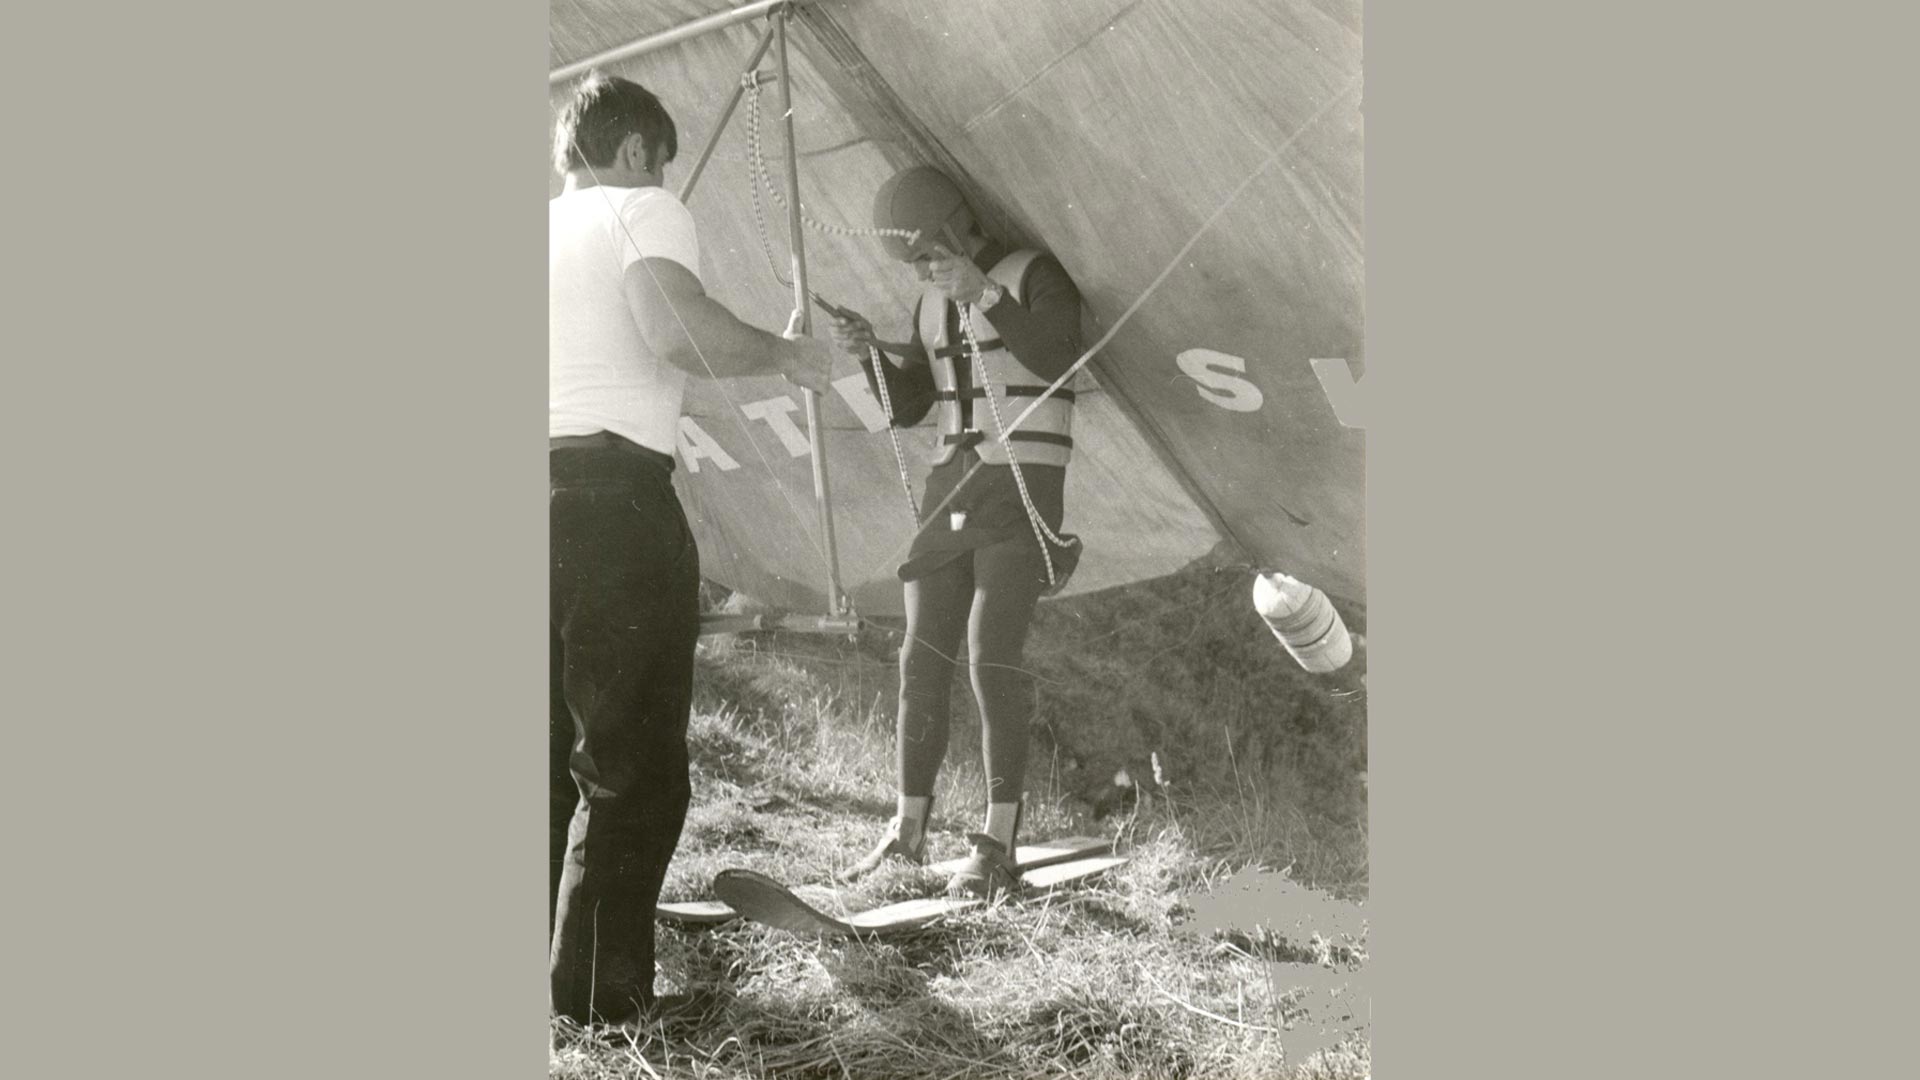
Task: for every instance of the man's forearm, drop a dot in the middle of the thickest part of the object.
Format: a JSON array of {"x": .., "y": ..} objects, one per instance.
[
  {"x": 708, "y": 340},
  {"x": 695, "y": 333}
]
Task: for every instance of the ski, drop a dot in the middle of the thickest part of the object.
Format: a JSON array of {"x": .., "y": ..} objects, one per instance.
[
  {"x": 1029, "y": 856},
  {"x": 764, "y": 900}
]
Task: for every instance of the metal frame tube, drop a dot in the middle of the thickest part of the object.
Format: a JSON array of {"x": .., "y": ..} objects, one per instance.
[
  {"x": 796, "y": 239},
  {"x": 703, "y": 25},
  {"x": 726, "y": 114},
  {"x": 801, "y": 624}
]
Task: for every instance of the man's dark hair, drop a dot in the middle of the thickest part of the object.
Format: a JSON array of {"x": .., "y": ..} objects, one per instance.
[{"x": 603, "y": 112}]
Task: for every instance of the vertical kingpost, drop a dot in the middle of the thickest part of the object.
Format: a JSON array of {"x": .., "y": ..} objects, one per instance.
[{"x": 816, "y": 433}]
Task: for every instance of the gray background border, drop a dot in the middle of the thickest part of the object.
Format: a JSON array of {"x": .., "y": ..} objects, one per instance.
[{"x": 275, "y": 456}]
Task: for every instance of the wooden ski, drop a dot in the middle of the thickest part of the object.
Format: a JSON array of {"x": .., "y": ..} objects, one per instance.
[
  {"x": 764, "y": 900},
  {"x": 1030, "y": 856}
]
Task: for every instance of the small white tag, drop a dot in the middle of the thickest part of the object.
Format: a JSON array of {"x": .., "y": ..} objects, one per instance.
[{"x": 957, "y": 520}]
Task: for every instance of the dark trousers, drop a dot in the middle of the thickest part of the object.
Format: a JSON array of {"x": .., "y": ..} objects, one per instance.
[{"x": 624, "y": 595}]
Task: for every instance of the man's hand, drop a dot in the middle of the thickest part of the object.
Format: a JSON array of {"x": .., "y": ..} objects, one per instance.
[
  {"x": 807, "y": 362},
  {"x": 955, "y": 275},
  {"x": 853, "y": 336}
]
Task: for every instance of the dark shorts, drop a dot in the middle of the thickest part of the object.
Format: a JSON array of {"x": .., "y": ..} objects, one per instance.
[{"x": 995, "y": 516}]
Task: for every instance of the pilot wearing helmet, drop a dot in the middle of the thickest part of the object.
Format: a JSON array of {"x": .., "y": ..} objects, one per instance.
[{"x": 993, "y": 328}]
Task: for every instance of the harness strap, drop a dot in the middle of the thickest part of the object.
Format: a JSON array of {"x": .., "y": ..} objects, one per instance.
[
  {"x": 1021, "y": 435},
  {"x": 1005, "y": 391},
  {"x": 961, "y": 350}
]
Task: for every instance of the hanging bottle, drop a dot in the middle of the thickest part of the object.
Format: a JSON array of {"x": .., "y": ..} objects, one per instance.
[{"x": 1304, "y": 620}]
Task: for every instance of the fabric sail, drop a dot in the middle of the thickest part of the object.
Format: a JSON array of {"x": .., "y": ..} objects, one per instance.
[{"x": 1195, "y": 166}]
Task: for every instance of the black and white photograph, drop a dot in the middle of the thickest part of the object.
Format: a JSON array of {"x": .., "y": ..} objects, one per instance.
[
  {"x": 957, "y": 539},
  {"x": 1174, "y": 539}
]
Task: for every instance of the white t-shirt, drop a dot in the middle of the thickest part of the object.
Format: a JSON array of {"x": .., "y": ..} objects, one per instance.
[{"x": 600, "y": 374}]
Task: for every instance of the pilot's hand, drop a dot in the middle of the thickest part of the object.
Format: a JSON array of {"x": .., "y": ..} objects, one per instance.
[
  {"x": 853, "y": 336},
  {"x": 955, "y": 275}
]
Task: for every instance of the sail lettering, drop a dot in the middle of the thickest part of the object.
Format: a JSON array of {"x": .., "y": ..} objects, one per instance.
[
  {"x": 853, "y": 390},
  {"x": 1336, "y": 381},
  {"x": 696, "y": 444},
  {"x": 774, "y": 411},
  {"x": 1219, "y": 378},
  {"x": 1211, "y": 370}
]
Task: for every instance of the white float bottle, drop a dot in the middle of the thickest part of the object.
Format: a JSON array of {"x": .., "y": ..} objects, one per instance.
[{"x": 1304, "y": 620}]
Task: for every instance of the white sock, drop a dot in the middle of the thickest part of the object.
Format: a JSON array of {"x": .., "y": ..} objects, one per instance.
[
  {"x": 913, "y": 817},
  {"x": 1001, "y": 818}
]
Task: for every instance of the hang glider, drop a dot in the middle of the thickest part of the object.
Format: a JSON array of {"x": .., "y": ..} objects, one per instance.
[{"x": 1195, "y": 167}]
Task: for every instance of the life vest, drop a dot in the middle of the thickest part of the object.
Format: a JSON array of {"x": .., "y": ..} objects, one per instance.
[{"x": 1045, "y": 437}]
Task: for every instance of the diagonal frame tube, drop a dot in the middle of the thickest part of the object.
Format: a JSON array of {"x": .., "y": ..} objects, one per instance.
[{"x": 726, "y": 114}]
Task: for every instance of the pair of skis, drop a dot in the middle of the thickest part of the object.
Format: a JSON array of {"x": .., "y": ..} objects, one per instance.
[{"x": 747, "y": 894}]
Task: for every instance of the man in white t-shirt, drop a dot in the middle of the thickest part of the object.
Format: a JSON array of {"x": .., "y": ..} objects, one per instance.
[{"x": 628, "y": 321}]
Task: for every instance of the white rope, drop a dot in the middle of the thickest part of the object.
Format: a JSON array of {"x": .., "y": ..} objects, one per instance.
[
  {"x": 757, "y": 166},
  {"x": 893, "y": 435},
  {"x": 1042, "y": 535}
]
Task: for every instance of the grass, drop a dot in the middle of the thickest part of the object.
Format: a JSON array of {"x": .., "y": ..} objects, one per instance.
[{"x": 792, "y": 748}]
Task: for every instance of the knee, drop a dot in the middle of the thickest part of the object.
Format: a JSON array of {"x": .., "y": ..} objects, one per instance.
[
  {"x": 984, "y": 662},
  {"x": 921, "y": 660}
]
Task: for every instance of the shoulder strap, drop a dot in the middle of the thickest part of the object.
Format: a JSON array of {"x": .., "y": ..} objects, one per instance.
[
  {"x": 933, "y": 319},
  {"x": 1011, "y": 271}
]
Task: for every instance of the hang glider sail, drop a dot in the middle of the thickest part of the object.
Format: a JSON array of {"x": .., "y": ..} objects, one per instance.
[{"x": 1195, "y": 167}]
